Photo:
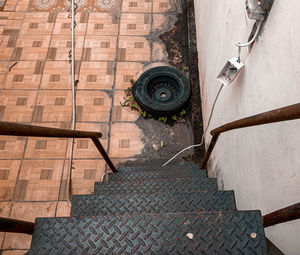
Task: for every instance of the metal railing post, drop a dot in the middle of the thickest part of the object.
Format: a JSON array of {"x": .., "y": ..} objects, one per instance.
[
  {"x": 104, "y": 154},
  {"x": 210, "y": 149}
]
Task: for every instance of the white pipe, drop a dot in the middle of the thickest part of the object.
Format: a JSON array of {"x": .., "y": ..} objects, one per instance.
[
  {"x": 253, "y": 38},
  {"x": 69, "y": 174}
]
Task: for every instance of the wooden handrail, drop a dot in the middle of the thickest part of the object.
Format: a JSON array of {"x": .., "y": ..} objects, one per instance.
[
  {"x": 290, "y": 112},
  {"x": 15, "y": 129},
  {"x": 282, "y": 215},
  {"x": 16, "y": 226}
]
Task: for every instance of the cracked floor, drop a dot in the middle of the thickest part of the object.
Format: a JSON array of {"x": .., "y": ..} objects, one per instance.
[{"x": 115, "y": 42}]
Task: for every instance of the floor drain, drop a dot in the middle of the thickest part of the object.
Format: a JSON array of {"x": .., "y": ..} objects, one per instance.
[{"x": 162, "y": 91}]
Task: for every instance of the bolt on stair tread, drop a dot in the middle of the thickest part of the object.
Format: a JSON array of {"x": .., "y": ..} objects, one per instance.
[
  {"x": 156, "y": 186},
  {"x": 151, "y": 175},
  {"x": 239, "y": 232},
  {"x": 120, "y": 204}
]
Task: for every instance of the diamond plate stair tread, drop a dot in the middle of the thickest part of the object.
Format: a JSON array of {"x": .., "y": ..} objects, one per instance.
[
  {"x": 151, "y": 175},
  {"x": 182, "y": 233},
  {"x": 156, "y": 186},
  {"x": 154, "y": 167},
  {"x": 102, "y": 205}
]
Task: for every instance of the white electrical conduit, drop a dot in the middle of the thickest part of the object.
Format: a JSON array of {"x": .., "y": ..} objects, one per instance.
[
  {"x": 69, "y": 173},
  {"x": 253, "y": 38},
  {"x": 202, "y": 139}
]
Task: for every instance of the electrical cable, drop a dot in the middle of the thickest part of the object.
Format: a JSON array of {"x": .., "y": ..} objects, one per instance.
[
  {"x": 69, "y": 173},
  {"x": 202, "y": 138},
  {"x": 240, "y": 45},
  {"x": 253, "y": 38}
]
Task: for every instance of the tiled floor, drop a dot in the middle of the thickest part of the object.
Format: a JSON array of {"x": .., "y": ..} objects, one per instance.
[{"x": 112, "y": 47}]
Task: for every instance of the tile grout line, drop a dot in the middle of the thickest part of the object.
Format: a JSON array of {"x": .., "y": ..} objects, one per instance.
[
  {"x": 151, "y": 30},
  {"x": 114, "y": 85}
]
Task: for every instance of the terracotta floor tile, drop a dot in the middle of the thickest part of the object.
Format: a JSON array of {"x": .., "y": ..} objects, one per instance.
[
  {"x": 135, "y": 24},
  {"x": 102, "y": 24},
  {"x": 63, "y": 209},
  {"x": 27, "y": 211},
  {"x": 46, "y": 148},
  {"x": 37, "y": 23},
  {"x": 12, "y": 147},
  {"x": 57, "y": 75},
  {"x": 53, "y": 106},
  {"x": 6, "y": 46},
  {"x": 39, "y": 180},
  {"x": 8, "y": 176},
  {"x": 122, "y": 113},
  {"x": 14, "y": 252},
  {"x": 9, "y": 26},
  {"x": 93, "y": 106},
  {"x": 161, "y": 5},
  {"x": 5, "y": 209},
  {"x": 3, "y": 71},
  {"x": 25, "y": 75},
  {"x": 11, "y": 15},
  {"x": 22, "y": 5},
  {"x": 84, "y": 176},
  {"x": 83, "y": 6},
  {"x": 63, "y": 24},
  {"x": 132, "y": 48},
  {"x": 100, "y": 48},
  {"x": 126, "y": 140},
  {"x": 16, "y": 241},
  {"x": 159, "y": 20},
  {"x": 137, "y": 6},
  {"x": 10, "y": 5},
  {"x": 61, "y": 45},
  {"x": 31, "y": 47},
  {"x": 4, "y": 212},
  {"x": 96, "y": 75},
  {"x": 127, "y": 71},
  {"x": 17, "y": 105},
  {"x": 85, "y": 148}
]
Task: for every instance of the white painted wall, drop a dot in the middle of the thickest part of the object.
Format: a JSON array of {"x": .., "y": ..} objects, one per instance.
[{"x": 261, "y": 164}]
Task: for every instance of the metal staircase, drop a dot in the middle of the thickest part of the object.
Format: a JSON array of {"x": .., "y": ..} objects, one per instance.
[{"x": 150, "y": 210}]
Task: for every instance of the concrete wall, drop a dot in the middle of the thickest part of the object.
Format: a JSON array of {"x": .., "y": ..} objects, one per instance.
[{"x": 261, "y": 164}]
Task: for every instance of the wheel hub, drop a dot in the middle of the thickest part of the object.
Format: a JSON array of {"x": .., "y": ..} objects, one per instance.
[{"x": 162, "y": 95}]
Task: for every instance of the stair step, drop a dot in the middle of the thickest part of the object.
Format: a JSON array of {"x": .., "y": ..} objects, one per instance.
[
  {"x": 152, "y": 175},
  {"x": 159, "y": 167},
  {"x": 102, "y": 205},
  {"x": 156, "y": 186},
  {"x": 180, "y": 233}
]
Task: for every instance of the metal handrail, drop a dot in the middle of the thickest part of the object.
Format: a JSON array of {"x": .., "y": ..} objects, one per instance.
[
  {"x": 290, "y": 112},
  {"x": 282, "y": 215},
  {"x": 16, "y": 226},
  {"x": 16, "y": 129}
]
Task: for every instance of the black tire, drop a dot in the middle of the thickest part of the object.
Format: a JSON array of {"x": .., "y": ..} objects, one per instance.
[{"x": 162, "y": 91}]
